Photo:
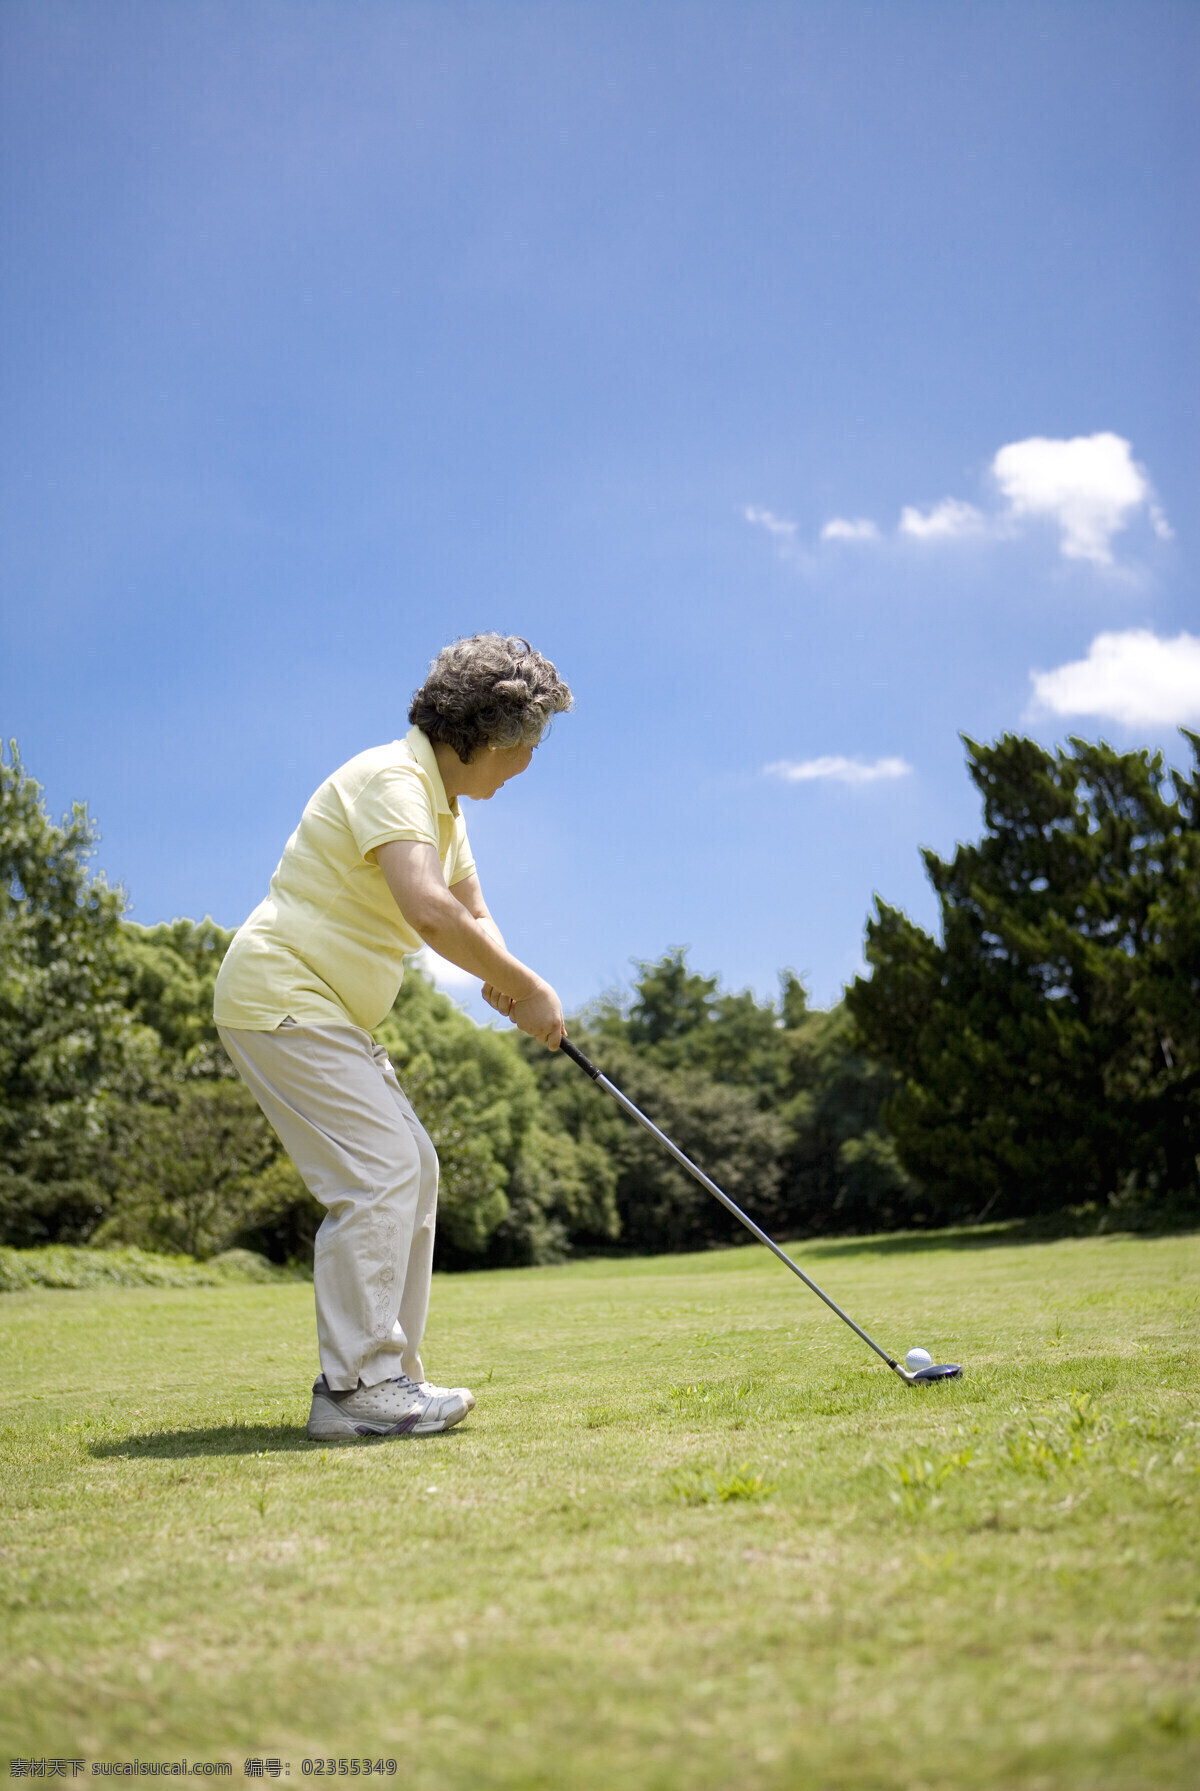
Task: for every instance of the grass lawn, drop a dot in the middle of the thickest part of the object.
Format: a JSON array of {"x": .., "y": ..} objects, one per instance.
[{"x": 694, "y": 1535}]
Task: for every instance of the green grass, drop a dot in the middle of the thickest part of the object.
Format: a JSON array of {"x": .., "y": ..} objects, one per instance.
[{"x": 693, "y": 1535}]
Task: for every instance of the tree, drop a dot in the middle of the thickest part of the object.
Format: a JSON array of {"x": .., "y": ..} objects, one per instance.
[
  {"x": 722, "y": 1128},
  {"x": 834, "y": 1167},
  {"x": 672, "y": 1002},
  {"x": 198, "y": 1163},
  {"x": 515, "y": 1187},
  {"x": 70, "y": 1050},
  {"x": 1048, "y": 1050},
  {"x": 195, "y": 1170},
  {"x": 169, "y": 972},
  {"x": 840, "y": 1170},
  {"x": 683, "y": 1021}
]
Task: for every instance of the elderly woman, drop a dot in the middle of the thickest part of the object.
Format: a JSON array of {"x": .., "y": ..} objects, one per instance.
[{"x": 378, "y": 867}]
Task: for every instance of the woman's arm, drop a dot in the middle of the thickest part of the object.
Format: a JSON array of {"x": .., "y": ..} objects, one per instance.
[
  {"x": 468, "y": 892},
  {"x": 458, "y": 926}
]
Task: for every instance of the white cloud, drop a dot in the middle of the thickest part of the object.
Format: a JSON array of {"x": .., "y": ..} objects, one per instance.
[
  {"x": 841, "y": 528},
  {"x": 948, "y": 521},
  {"x": 1159, "y": 523},
  {"x": 842, "y": 771},
  {"x": 774, "y": 525},
  {"x": 1134, "y": 678},
  {"x": 1090, "y": 486},
  {"x": 447, "y": 976}
]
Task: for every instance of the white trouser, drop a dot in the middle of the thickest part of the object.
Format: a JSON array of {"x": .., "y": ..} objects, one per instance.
[{"x": 332, "y": 1096}]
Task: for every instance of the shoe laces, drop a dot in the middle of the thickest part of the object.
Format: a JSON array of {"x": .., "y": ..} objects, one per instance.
[{"x": 409, "y": 1386}]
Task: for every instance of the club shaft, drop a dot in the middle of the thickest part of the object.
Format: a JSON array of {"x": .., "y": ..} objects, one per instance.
[{"x": 705, "y": 1181}]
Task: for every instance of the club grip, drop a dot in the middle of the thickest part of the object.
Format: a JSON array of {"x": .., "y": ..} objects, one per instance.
[{"x": 576, "y": 1056}]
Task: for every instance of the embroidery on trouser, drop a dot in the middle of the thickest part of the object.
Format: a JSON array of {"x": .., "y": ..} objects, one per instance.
[{"x": 383, "y": 1230}]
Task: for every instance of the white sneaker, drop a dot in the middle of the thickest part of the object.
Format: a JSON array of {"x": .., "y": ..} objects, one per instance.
[
  {"x": 392, "y": 1408},
  {"x": 432, "y": 1392}
]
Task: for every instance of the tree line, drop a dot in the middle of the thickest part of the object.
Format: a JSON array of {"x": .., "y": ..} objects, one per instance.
[{"x": 1043, "y": 1055}]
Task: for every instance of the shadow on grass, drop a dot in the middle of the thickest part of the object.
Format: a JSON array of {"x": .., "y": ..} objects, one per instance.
[
  {"x": 223, "y": 1439},
  {"x": 1048, "y": 1229},
  {"x": 235, "y": 1439}
]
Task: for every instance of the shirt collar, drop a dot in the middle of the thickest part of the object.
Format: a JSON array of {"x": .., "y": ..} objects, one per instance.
[{"x": 421, "y": 748}]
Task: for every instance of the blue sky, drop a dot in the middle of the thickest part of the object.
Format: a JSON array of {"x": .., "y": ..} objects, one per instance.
[{"x": 807, "y": 380}]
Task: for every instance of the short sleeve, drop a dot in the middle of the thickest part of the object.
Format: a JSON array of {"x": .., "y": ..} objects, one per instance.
[
  {"x": 396, "y": 804},
  {"x": 462, "y": 862}
]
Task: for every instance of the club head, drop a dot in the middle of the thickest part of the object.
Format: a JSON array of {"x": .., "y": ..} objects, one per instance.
[{"x": 940, "y": 1371}]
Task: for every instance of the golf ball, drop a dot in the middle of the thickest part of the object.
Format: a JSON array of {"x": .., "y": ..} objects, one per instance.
[{"x": 917, "y": 1358}]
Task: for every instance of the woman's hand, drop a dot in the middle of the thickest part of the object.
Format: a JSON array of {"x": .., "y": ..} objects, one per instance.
[{"x": 539, "y": 1014}]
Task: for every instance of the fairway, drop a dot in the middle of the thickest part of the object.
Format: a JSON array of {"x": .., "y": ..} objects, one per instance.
[{"x": 694, "y": 1534}]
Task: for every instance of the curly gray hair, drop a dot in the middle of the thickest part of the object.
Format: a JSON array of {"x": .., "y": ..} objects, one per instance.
[{"x": 490, "y": 690}]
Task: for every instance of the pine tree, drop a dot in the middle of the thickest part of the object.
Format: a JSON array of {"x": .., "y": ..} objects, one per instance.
[{"x": 1048, "y": 1049}]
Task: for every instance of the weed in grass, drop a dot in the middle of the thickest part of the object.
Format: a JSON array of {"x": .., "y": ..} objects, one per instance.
[
  {"x": 1156, "y": 1427},
  {"x": 688, "y": 1397},
  {"x": 1053, "y": 1444},
  {"x": 1176, "y": 1717},
  {"x": 917, "y": 1479},
  {"x": 698, "y": 1485},
  {"x": 709, "y": 1400}
]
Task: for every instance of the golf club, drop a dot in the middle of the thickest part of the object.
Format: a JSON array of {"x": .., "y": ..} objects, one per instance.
[{"x": 944, "y": 1371}]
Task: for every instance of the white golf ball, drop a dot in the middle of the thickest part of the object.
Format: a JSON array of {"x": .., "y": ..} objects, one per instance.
[{"x": 917, "y": 1358}]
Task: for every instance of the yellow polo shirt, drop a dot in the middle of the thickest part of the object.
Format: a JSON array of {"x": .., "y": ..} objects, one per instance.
[{"x": 329, "y": 942}]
